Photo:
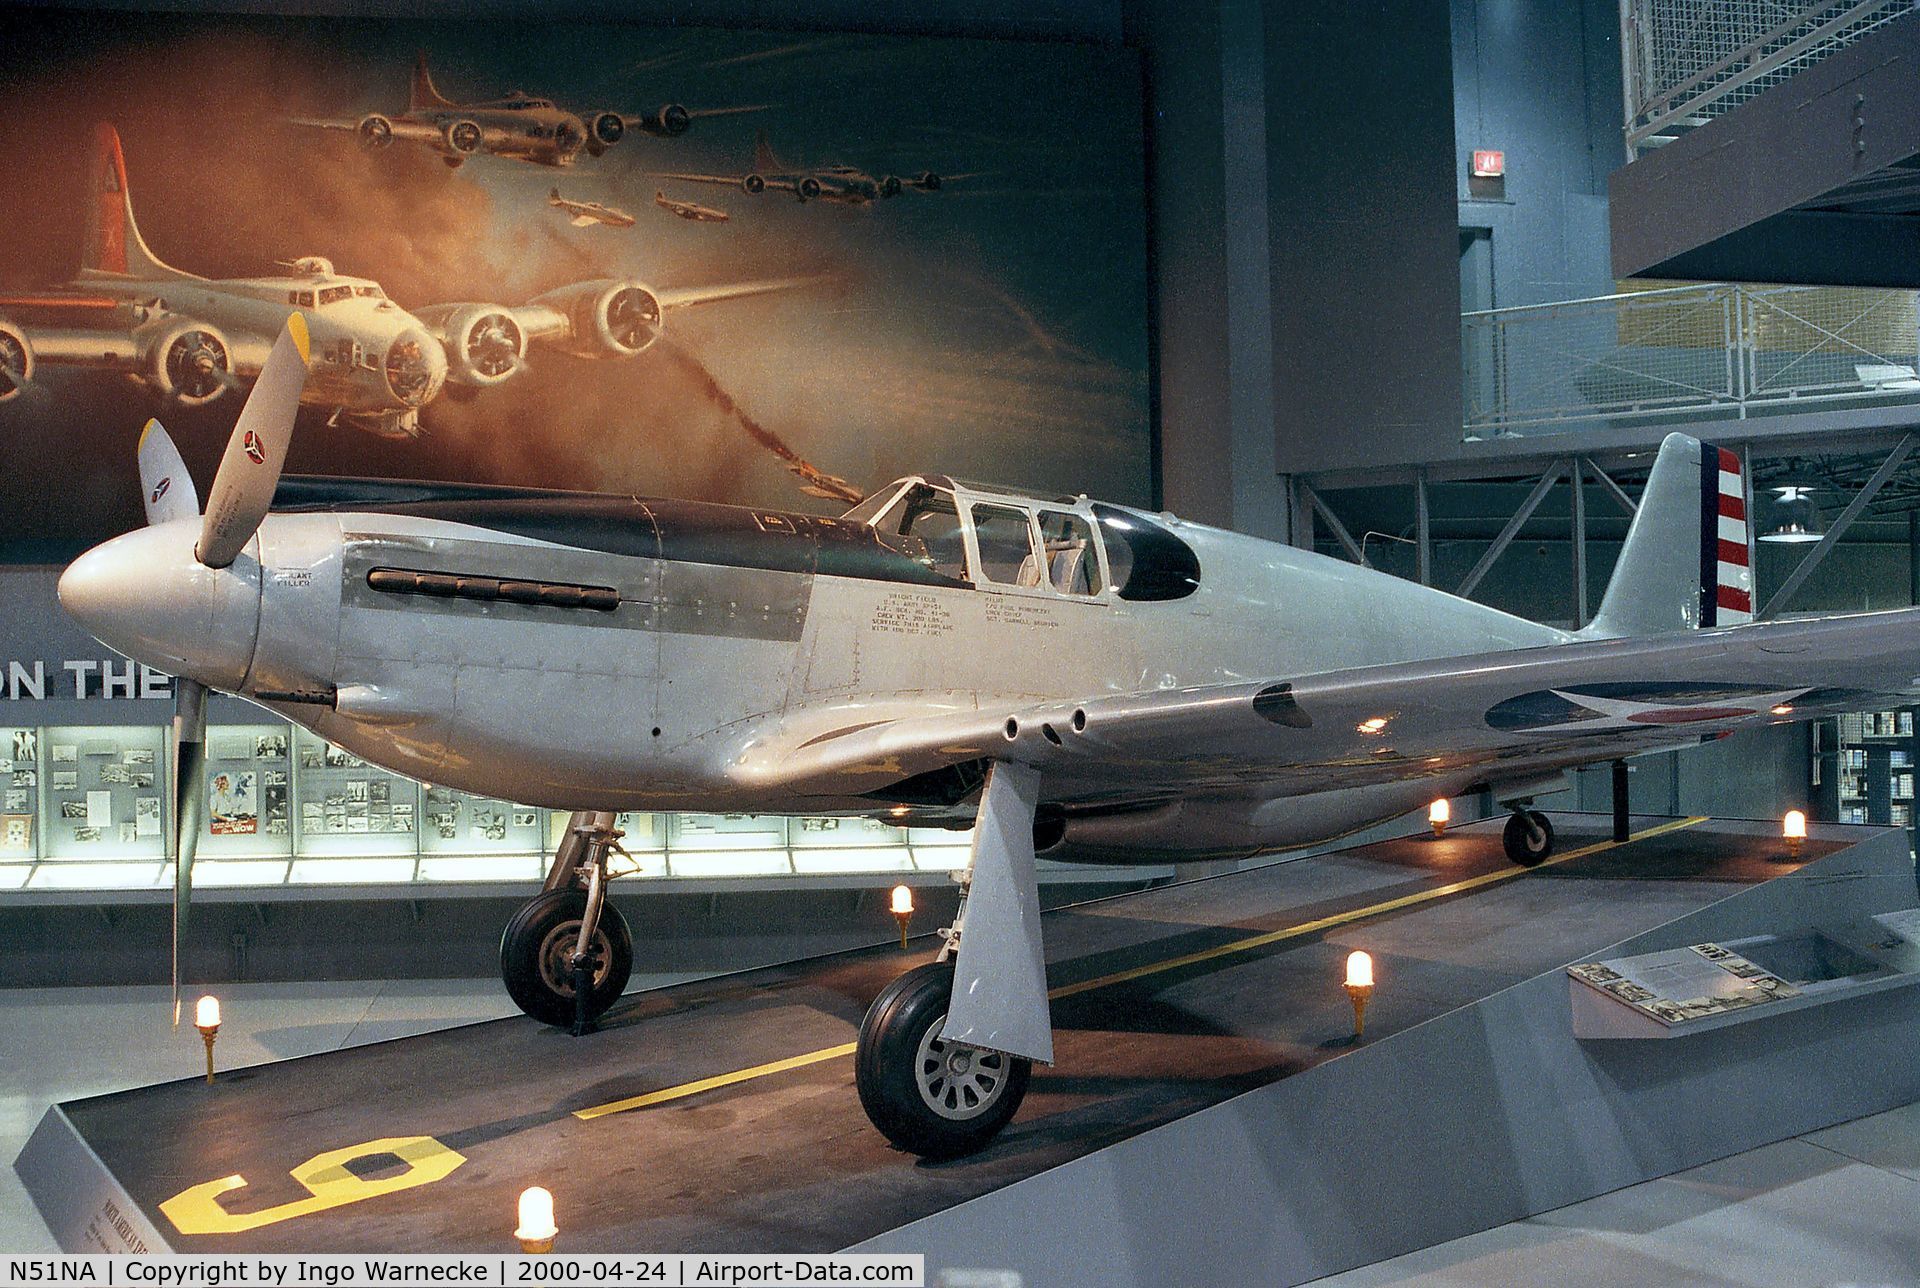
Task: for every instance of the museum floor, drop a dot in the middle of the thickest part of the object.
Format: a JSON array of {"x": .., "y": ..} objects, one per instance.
[{"x": 1831, "y": 1207}]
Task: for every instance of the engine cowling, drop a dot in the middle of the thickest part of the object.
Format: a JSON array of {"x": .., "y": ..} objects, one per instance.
[
  {"x": 414, "y": 366},
  {"x": 16, "y": 361},
  {"x": 809, "y": 188},
  {"x": 462, "y": 137},
  {"x": 670, "y": 120},
  {"x": 607, "y": 319},
  {"x": 754, "y": 184},
  {"x": 190, "y": 362},
  {"x": 374, "y": 132},
  {"x": 484, "y": 345},
  {"x": 606, "y": 129},
  {"x": 927, "y": 181}
]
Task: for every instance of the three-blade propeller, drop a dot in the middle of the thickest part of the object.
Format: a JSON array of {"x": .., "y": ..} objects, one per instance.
[{"x": 242, "y": 493}]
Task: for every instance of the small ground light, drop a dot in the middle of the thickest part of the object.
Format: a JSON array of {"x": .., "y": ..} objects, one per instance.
[
  {"x": 1359, "y": 988},
  {"x": 537, "y": 1230},
  {"x": 1439, "y": 814},
  {"x": 206, "y": 1018},
  {"x": 902, "y": 910},
  {"x": 1794, "y": 828}
]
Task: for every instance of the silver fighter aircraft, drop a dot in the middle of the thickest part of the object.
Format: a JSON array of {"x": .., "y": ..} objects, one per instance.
[
  {"x": 1072, "y": 678},
  {"x": 376, "y": 364},
  {"x": 584, "y": 214},
  {"x": 519, "y": 126},
  {"x": 836, "y": 183},
  {"x": 691, "y": 211}
]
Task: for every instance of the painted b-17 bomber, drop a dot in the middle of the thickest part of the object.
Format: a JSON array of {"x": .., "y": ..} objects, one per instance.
[
  {"x": 1072, "y": 678},
  {"x": 585, "y": 214},
  {"x": 376, "y": 364},
  {"x": 518, "y": 126},
  {"x": 836, "y": 183}
]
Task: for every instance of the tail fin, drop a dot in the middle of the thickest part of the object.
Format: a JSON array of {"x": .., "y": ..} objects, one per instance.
[
  {"x": 554, "y": 195},
  {"x": 1688, "y": 559},
  {"x": 113, "y": 244},
  {"x": 764, "y": 162},
  {"x": 423, "y": 93}
]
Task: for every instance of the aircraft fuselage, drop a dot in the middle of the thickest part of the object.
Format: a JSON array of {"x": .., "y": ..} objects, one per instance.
[{"x": 631, "y": 655}]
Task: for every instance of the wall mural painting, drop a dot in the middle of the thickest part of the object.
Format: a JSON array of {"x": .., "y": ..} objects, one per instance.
[{"x": 763, "y": 268}]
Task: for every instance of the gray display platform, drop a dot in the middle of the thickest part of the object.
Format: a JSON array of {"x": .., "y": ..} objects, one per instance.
[{"x": 1491, "y": 1113}]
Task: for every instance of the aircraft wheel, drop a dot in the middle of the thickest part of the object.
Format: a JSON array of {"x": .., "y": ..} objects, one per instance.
[
  {"x": 1528, "y": 838},
  {"x": 932, "y": 1098},
  {"x": 536, "y": 955}
]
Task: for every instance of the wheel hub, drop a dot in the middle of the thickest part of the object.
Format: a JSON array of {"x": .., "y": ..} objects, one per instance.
[
  {"x": 556, "y": 957},
  {"x": 957, "y": 1082}
]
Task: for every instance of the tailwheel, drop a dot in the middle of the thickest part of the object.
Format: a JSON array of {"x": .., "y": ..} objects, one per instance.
[
  {"x": 536, "y": 956},
  {"x": 931, "y": 1097},
  {"x": 1528, "y": 838}
]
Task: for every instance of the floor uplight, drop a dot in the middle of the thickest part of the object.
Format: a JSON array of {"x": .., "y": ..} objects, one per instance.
[
  {"x": 206, "y": 1018},
  {"x": 902, "y": 909},
  {"x": 1359, "y": 988},
  {"x": 537, "y": 1230}
]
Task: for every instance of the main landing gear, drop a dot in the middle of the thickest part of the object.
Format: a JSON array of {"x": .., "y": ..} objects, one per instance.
[
  {"x": 1528, "y": 837},
  {"x": 946, "y": 1050},
  {"x": 566, "y": 955},
  {"x": 927, "y": 1095}
]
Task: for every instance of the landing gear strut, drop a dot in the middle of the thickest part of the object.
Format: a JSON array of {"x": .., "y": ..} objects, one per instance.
[
  {"x": 567, "y": 954},
  {"x": 1528, "y": 838}
]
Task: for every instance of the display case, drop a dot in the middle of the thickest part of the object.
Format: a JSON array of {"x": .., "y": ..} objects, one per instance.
[
  {"x": 1864, "y": 767},
  {"x": 89, "y": 808}
]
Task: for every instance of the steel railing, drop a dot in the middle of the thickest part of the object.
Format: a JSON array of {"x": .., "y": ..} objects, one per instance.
[
  {"x": 1678, "y": 352},
  {"x": 1685, "y": 62}
]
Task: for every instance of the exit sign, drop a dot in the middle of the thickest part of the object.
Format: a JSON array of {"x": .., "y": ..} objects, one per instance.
[{"x": 1489, "y": 164}]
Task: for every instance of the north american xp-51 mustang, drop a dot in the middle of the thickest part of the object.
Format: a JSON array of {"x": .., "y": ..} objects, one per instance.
[
  {"x": 1073, "y": 678},
  {"x": 584, "y": 214},
  {"x": 375, "y": 364},
  {"x": 520, "y": 126}
]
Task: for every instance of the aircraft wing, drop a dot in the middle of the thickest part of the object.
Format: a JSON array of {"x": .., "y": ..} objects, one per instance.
[
  {"x": 410, "y": 131},
  {"x": 774, "y": 182},
  {"x": 681, "y": 297},
  {"x": 1508, "y": 717}
]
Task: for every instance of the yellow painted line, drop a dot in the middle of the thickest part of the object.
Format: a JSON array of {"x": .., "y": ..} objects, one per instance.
[
  {"x": 1360, "y": 914},
  {"x": 709, "y": 1084},
  {"x": 1140, "y": 972}
]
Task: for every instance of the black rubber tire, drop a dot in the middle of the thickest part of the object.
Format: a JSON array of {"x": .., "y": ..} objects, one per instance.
[
  {"x": 544, "y": 993},
  {"x": 1519, "y": 842},
  {"x": 884, "y": 1070}
]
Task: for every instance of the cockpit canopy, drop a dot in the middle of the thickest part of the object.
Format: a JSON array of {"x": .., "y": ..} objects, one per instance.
[{"x": 996, "y": 539}]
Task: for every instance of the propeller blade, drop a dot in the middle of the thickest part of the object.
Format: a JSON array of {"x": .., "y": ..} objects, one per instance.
[
  {"x": 250, "y": 470},
  {"x": 189, "y": 765},
  {"x": 164, "y": 480}
]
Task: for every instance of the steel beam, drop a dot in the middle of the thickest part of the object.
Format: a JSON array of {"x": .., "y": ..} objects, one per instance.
[
  {"x": 1855, "y": 508},
  {"x": 1579, "y": 547},
  {"x": 1423, "y": 531},
  {"x": 1512, "y": 530},
  {"x": 1612, "y": 489},
  {"x": 1339, "y": 529}
]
